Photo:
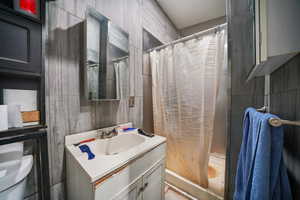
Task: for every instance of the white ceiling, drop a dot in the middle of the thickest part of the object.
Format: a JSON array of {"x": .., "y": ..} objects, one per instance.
[{"x": 185, "y": 13}]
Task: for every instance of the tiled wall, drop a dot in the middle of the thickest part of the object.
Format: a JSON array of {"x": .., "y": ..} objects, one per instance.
[
  {"x": 285, "y": 102},
  {"x": 243, "y": 94},
  {"x": 202, "y": 26},
  {"x": 66, "y": 113}
]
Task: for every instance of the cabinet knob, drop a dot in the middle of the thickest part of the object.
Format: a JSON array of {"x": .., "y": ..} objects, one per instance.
[
  {"x": 140, "y": 190},
  {"x": 143, "y": 188}
]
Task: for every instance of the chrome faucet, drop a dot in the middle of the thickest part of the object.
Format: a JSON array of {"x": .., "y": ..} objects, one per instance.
[{"x": 107, "y": 133}]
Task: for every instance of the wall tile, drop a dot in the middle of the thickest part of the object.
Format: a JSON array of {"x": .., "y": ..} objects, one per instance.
[
  {"x": 242, "y": 58},
  {"x": 138, "y": 73},
  {"x": 285, "y": 102},
  {"x": 278, "y": 81},
  {"x": 155, "y": 22},
  {"x": 78, "y": 119},
  {"x": 136, "y": 112},
  {"x": 57, "y": 130},
  {"x": 75, "y": 7},
  {"x": 114, "y": 10},
  {"x": 148, "y": 123},
  {"x": 241, "y": 102},
  {"x": 123, "y": 112},
  {"x": 239, "y": 8},
  {"x": 106, "y": 113},
  {"x": 292, "y": 74},
  {"x": 32, "y": 197},
  {"x": 132, "y": 57},
  {"x": 63, "y": 50},
  {"x": 146, "y": 65},
  {"x": 133, "y": 22},
  {"x": 58, "y": 192}
]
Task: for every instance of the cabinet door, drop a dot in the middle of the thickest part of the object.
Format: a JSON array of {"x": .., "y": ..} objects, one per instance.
[
  {"x": 132, "y": 192},
  {"x": 154, "y": 183},
  {"x": 20, "y": 43}
]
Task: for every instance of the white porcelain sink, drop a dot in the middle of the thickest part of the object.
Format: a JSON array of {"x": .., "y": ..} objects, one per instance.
[
  {"x": 110, "y": 154},
  {"x": 117, "y": 144}
]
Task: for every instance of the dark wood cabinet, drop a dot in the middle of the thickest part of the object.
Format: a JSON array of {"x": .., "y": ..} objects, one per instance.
[
  {"x": 22, "y": 67},
  {"x": 20, "y": 43}
]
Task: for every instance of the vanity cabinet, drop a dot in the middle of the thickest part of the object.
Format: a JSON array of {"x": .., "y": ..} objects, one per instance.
[
  {"x": 141, "y": 178},
  {"x": 150, "y": 186},
  {"x": 275, "y": 34},
  {"x": 132, "y": 192},
  {"x": 153, "y": 183}
]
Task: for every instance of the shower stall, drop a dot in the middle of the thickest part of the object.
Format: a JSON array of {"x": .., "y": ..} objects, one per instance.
[{"x": 189, "y": 90}]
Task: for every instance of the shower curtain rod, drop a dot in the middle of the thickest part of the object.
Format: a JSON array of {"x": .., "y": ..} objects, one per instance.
[{"x": 195, "y": 35}]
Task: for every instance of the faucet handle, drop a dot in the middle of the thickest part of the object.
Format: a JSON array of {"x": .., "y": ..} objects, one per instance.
[
  {"x": 107, "y": 133},
  {"x": 114, "y": 132}
]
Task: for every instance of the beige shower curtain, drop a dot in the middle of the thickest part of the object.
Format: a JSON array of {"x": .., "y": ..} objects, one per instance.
[
  {"x": 185, "y": 79},
  {"x": 122, "y": 78}
]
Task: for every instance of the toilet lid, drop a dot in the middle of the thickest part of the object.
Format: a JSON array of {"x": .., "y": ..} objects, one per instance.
[{"x": 12, "y": 172}]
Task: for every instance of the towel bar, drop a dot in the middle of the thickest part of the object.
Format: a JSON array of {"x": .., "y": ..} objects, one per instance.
[{"x": 278, "y": 122}]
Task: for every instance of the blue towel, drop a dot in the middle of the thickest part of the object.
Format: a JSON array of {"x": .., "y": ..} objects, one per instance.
[{"x": 261, "y": 173}]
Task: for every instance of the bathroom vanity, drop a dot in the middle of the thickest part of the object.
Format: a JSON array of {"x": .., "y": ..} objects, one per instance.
[{"x": 127, "y": 166}]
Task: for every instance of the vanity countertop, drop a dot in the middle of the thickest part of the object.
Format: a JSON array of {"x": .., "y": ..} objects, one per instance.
[{"x": 103, "y": 164}]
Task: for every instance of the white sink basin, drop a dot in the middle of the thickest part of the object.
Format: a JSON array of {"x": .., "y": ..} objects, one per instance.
[
  {"x": 116, "y": 145},
  {"x": 110, "y": 154}
]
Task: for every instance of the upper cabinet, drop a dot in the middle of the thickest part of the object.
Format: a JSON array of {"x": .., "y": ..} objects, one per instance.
[
  {"x": 276, "y": 34},
  {"x": 21, "y": 42},
  {"x": 21, "y": 36},
  {"x": 21, "y": 59}
]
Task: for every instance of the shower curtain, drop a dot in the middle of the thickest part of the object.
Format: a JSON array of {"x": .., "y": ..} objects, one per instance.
[
  {"x": 122, "y": 78},
  {"x": 185, "y": 83}
]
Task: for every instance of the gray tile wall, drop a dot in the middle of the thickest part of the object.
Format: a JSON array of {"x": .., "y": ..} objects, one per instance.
[
  {"x": 285, "y": 102},
  {"x": 66, "y": 113},
  {"x": 148, "y": 122},
  {"x": 243, "y": 94},
  {"x": 202, "y": 26}
]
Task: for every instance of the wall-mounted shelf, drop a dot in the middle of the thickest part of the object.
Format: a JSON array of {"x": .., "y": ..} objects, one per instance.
[
  {"x": 269, "y": 66},
  {"x": 275, "y": 34},
  {"x": 16, "y": 131},
  {"x": 18, "y": 73}
]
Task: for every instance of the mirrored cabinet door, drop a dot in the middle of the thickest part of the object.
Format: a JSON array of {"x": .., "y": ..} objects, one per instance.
[{"x": 107, "y": 59}]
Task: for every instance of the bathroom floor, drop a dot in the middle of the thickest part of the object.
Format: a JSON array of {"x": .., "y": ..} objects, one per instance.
[
  {"x": 216, "y": 174},
  {"x": 171, "y": 194}
]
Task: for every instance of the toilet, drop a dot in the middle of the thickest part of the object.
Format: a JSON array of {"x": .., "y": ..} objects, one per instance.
[{"x": 14, "y": 169}]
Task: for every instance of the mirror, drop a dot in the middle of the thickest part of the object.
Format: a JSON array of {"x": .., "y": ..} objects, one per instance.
[{"x": 107, "y": 59}]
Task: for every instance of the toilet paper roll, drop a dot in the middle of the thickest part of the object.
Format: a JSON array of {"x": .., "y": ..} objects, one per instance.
[
  {"x": 3, "y": 118},
  {"x": 14, "y": 116}
]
